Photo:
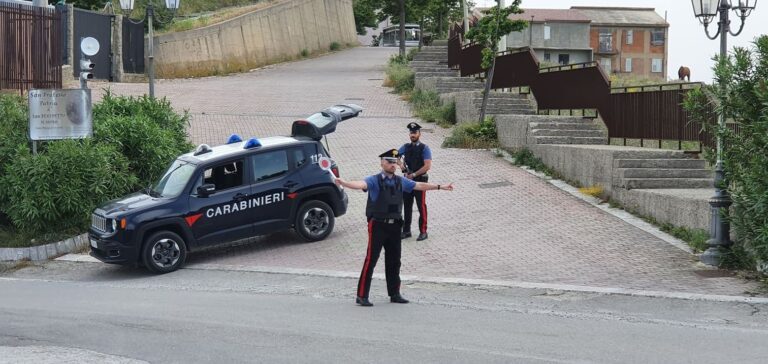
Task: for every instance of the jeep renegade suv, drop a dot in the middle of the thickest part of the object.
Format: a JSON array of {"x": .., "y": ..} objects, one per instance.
[{"x": 226, "y": 193}]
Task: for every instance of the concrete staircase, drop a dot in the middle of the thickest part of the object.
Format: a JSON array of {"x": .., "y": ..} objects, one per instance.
[
  {"x": 505, "y": 103},
  {"x": 432, "y": 62},
  {"x": 670, "y": 170},
  {"x": 566, "y": 130}
]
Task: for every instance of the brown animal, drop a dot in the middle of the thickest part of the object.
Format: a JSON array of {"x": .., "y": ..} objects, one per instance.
[{"x": 683, "y": 73}]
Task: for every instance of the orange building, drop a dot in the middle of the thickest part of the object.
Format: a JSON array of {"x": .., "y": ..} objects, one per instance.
[{"x": 628, "y": 40}]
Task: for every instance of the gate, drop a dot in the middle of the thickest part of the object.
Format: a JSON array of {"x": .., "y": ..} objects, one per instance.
[
  {"x": 99, "y": 26},
  {"x": 133, "y": 46},
  {"x": 30, "y": 56}
]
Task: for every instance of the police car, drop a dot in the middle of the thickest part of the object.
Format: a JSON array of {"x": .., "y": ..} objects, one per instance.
[{"x": 225, "y": 193}]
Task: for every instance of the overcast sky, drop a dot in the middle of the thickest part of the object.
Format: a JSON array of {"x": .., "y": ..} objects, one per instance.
[{"x": 688, "y": 45}]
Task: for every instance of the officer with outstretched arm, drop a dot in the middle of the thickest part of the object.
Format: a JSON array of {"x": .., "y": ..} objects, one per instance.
[{"x": 385, "y": 221}]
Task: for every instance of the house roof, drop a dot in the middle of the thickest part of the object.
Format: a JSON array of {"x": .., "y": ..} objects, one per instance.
[
  {"x": 622, "y": 16},
  {"x": 542, "y": 15}
]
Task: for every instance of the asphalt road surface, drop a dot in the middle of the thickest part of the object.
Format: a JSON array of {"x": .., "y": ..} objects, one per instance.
[{"x": 96, "y": 313}]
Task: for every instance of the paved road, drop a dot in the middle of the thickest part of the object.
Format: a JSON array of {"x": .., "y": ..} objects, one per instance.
[
  {"x": 501, "y": 223},
  {"x": 93, "y": 313}
]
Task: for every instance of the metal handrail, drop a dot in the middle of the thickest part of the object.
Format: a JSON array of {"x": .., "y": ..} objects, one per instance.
[
  {"x": 568, "y": 67},
  {"x": 657, "y": 87}
]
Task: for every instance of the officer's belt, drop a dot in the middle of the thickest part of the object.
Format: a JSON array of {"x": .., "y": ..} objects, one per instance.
[{"x": 387, "y": 221}]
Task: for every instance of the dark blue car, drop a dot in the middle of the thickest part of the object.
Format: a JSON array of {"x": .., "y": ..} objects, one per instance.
[{"x": 225, "y": 193}]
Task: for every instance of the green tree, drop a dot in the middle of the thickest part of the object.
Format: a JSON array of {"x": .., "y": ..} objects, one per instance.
[
  {"x": 741, "y": 95},
  {"x": 365, "y": 14},
  {"x": 487, "y": 33}
]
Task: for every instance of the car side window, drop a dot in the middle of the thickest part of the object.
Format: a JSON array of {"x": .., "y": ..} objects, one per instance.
[
  {"x": 225, "y": 175},
  {"x": 269, "y": 165},
  {"x": 299, "y": 157}
]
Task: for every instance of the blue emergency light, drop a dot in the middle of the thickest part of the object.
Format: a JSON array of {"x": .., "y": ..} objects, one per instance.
[
  {"x": 234, "y": 138},
  {"x": 252, "y": 143}
]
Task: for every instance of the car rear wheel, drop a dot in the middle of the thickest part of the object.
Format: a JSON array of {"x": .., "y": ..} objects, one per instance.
[
  {"x": 314, "y": 220},
  {"x": 164, "y": 252}
]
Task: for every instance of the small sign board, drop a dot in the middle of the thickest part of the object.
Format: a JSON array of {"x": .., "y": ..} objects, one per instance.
[{"x": 60, "y": 114}]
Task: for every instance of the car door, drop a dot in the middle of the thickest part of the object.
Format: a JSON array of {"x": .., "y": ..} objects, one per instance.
[
  {"x": 275, "y": 183},
  {"x": 224, "y": 214}
]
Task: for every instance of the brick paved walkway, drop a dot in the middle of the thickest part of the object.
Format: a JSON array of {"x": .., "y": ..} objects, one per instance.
[{"x": 524, "y": 229}]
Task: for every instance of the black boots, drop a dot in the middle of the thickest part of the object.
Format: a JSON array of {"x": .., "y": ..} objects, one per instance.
[
  {"x": 362, "y": 301},
  {"x": 405, "y": 234},
  {"x": 422, "y": 236},
  {"x": 397, "y": 299}
]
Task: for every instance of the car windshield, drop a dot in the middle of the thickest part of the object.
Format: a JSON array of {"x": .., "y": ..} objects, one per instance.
[{"x": 174, "y": 180}]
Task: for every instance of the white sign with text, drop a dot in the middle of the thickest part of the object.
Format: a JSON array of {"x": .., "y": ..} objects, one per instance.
[{"x": 60, "y": 114}]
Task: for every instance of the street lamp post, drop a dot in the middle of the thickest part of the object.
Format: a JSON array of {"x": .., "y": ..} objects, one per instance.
[
  {"x": 720, "y": 229},
  {"x": 127, "y": 7}
]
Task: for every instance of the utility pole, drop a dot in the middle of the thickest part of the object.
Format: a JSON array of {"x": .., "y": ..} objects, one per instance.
[
  {"x": 402, "y": 29},
  {"x": 503, "y": 40},
  {"x": 466, "y": 15}
]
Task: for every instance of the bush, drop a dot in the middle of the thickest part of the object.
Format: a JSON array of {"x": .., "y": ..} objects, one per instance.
[
  {"x": 58, "y": 189},
  {"x": 147, "y": 132},
  {"x": 473, "y": 136},
  {"x": 742, "y": 96},
  {"x": 400, "y": 77},
  {"x": 335, "y": 46},
  {"x": 14, "y": 130},
  {"x": 429, "y": 108},
  {"x": 304, "y": 53}
]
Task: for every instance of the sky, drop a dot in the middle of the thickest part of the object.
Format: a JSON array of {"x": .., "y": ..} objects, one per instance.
[{"x": 688, "y": 45}]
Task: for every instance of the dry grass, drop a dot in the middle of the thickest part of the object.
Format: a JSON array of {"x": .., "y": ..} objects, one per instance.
[
  {"x": 216, "y": 17},
  {"x": 596, "y": 191}
]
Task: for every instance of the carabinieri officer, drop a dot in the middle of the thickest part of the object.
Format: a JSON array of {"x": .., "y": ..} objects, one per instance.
[
  {"x": 385, "y": 221},
  {"x": 418, "y": 161}
]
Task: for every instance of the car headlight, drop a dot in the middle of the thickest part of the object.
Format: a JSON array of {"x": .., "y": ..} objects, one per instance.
[{"x": 114, "y": 224}]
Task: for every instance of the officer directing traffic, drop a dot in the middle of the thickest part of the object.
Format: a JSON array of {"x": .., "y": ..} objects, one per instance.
[
  {"x": 418, "y": 161},
  {"x": 383, "y": 210}
]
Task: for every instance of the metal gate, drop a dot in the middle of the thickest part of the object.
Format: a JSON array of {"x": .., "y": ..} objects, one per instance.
[
  {"x": 99, "y": 26},
  {"x": 133, "y": 46},
  {"x": 30, "y": 56}
]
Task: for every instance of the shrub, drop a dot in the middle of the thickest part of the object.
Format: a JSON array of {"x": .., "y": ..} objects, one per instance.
[
  {"x": 304, "y": 53},
  {"x": 594, "y": 191},
  {"x": 14, "y": 128},
  {"x": 147, "y": 132},
  {"x": 400, "y": 77},
  {"x": 335, "y": 46},
  {"x": 473, "y": 136},
  {"x": 429, "y": 108},
  {"x": 742, "y": 96},
  {"x": 58, "y": 189}
]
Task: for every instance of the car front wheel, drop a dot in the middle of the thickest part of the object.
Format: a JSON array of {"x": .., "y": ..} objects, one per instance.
[
  {"x": 164, "y": 252},
  {"x": 314, "y": 220}
]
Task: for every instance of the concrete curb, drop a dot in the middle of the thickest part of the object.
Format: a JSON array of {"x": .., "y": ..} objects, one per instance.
[{"x": 44, "y": 252}]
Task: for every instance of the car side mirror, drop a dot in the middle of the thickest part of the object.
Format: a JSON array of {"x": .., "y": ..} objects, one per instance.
[{"x": 206, "y": 190}]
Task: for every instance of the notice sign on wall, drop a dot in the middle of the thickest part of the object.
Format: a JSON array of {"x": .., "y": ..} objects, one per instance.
[{"x": 60, "y": 114}]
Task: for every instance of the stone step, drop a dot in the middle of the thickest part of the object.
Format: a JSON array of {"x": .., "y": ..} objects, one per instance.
[
  {"x": 431, "y": 57},
  {"x": 506, "y": 108},
  {"x": 570, "y": 140},
  {"x": 431, "y": 74},
  {"x": 662, "y": 173},
  {"x": 651, "y": 154},
  {"x": 436, "y": 69},
  {"x": 564, "y": 126},
  {"x": 569, "y": 132},
  {"x": 650, "y": 183},
  {"x": 445, "y": 90},
  {"x": 660, "y": 163},
  {"x": 459, "y": 85},
  {"x": 504, "y": 102},
  {"x": 511, "y": 112}
]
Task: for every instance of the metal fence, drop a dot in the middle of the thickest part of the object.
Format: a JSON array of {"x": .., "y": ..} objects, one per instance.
[
  {"x": 640, "y": 112},
  {"x": 31, "y": 47}
]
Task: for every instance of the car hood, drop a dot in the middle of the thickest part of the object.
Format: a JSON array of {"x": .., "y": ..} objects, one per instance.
[{"x": 133, "y": 202}]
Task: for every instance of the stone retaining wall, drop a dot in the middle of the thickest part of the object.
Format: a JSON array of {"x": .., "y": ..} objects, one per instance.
[{"x": 44, "y": 252}]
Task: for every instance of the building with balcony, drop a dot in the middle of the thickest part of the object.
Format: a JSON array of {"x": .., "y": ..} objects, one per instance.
[{"x": 628, "y": 40}]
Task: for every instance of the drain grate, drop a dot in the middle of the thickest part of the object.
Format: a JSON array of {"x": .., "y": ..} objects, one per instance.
[
  {"x": 495, "y": 184},
  {"x": 715, "y": 273}
]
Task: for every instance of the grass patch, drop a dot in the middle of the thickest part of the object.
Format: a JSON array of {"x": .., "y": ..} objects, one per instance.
[
  {"x": 304, "y": 53},
  {"x": 12, "y": 238},
  {"x": 210, "y": 12},
  {"x": 428, "y": 107},
  {"x": 473, "y": 136},
  {"x": 400, "y": 77},
  {"x": 335, "y": 46},
  {"x": 596, "y": 191}
]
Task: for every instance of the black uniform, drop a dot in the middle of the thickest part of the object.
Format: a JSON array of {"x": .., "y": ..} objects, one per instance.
[
  {"x": 414, "y": 159},
  {"x": 384, "y": 225}
]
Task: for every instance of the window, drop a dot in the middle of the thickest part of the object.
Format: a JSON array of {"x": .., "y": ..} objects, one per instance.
[
  {"x": 606, "y": 41},
  {"x": 299, "y": 157},
  {"x": 628, "y": 65},
  {"x": 606, "y": 63},
  {"x": 175, "y": 179},
  {"x": 225, "y": 176},
  {"x": 657, "y": 37},
  {"x": 270, "y": 165},
  {"x": 547, "y": 32},
  {"x": 656, "y": 65},
  {"x": 547, "y": 57},
  {"x": 630, "y": 37},
  {"x": 563, "y": 59}
]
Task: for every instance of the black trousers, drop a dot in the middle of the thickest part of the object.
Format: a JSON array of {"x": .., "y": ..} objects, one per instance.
[
  {"x": 387, "y": 236},
  {"x": 420, "y": 198}
]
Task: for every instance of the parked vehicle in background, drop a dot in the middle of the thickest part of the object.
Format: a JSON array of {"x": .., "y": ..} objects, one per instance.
[{"x": 390, "y": 36}]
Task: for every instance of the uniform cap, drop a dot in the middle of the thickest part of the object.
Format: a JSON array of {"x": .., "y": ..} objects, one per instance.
[
  {"x": 392, "y": 153},
  {"x": 413, "y": 126}
]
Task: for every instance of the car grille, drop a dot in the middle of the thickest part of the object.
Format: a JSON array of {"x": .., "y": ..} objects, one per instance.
[{"x": 100, "y": 223}]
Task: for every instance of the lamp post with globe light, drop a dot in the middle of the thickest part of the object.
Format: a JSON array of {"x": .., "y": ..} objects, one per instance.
[
  {"x": 127, "y": 7},
  {"x": 706, "y": 11}
]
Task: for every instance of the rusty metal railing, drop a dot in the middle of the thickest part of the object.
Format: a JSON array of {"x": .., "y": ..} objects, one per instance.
[{"x": 31, "y": 47}]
